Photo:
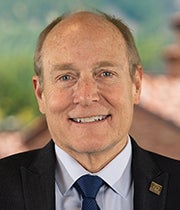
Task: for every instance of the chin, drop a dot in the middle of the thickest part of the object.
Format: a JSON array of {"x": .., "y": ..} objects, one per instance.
[{"x": 90, "y": 147}]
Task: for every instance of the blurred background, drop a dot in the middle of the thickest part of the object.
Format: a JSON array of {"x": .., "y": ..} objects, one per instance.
[{"x": 154, "y": 29}]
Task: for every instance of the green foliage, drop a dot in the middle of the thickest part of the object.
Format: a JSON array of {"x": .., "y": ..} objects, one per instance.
[{"x": 17, "y": 97}]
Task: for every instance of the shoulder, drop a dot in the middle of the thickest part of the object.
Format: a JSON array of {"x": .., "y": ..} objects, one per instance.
[
  {"x": 10, "y": 175},
  {"x": 148, "y": 166},
  {"x": 12, "y": 169},
  {"x": 18, "y": 157},
  {"x": 13, "y": 163},
  {"x": 166, "y": 163}
]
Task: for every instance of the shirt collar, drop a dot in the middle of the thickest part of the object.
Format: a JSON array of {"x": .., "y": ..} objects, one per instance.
[{"x": 69, "y": 170}]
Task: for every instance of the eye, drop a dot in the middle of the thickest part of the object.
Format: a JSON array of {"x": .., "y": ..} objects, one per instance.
[
  {"x": 65, "y": 77},
  {"x": 106, "y": 74},
  {"x": 66, "y": 80}
]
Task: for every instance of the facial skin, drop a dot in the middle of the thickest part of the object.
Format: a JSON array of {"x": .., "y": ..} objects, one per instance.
[{"x": 88, "y": 94}]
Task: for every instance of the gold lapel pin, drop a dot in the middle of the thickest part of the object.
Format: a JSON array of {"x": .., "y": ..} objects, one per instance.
[{"x": 155, "y": 188}]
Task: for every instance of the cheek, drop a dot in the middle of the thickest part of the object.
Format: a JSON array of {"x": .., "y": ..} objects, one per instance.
[
  {"x": 122, "y": 103},
  {"x": 57, "y": 100},
  {"x": 122, "y": 107},
  {"x": 119, "y": 95}
]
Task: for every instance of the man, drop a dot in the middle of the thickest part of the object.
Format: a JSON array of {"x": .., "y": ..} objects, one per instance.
[{"x": 88, "y": 78}]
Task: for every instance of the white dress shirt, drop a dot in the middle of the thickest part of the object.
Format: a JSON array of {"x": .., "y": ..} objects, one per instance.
[{"x": 117, "y": 194}]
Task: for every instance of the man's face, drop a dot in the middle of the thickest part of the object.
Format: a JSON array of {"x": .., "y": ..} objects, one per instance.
[{"x": 88, "y": 94}]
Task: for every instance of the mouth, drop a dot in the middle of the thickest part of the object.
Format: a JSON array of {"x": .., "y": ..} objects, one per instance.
[{"x": 90, "y": 119}]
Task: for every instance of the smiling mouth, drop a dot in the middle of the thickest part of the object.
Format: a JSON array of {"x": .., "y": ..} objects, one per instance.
[{"x": 90, "y": 119}]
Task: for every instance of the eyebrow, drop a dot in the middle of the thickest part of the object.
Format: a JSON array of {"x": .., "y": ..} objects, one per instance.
[
  {"x": 64, "y": 66},
  {"x": 104, "y": 64},
  {"x": 71, "y": 66}
]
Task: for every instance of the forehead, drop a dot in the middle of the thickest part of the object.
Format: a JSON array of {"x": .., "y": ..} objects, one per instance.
[
  {"x": 84, "y": 38},
  {"x": 85, "y": 25}
]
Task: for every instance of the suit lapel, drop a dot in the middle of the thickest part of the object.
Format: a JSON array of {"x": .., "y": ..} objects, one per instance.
[
  {"x": 38, "y": 180},
  {"x": 150, "y": 183}
]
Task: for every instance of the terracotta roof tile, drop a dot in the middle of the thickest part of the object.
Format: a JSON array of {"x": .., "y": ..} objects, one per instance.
[{"x": 161, "y": 96}]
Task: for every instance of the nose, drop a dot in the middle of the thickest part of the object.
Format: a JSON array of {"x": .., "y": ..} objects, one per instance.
[{"x": 86, "y": 92}]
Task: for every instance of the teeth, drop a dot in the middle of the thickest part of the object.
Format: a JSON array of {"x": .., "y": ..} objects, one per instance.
[{"x": 90, "y": 119}]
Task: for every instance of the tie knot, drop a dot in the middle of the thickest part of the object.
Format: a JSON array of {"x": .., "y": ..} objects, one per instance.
[{"x": 88, "y": 186}]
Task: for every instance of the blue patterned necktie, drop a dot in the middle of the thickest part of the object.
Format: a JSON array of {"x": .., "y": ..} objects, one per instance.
[{"x": 88, "y": 186}]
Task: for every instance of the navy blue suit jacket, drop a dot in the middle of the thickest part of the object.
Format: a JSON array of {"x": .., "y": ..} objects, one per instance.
[{"x": 27, "y": 180}]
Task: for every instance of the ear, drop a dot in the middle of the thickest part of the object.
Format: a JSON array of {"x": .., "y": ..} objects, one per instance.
[
  {"x": 137, "y": 80},
  {"x": 38, "y": 90}
]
